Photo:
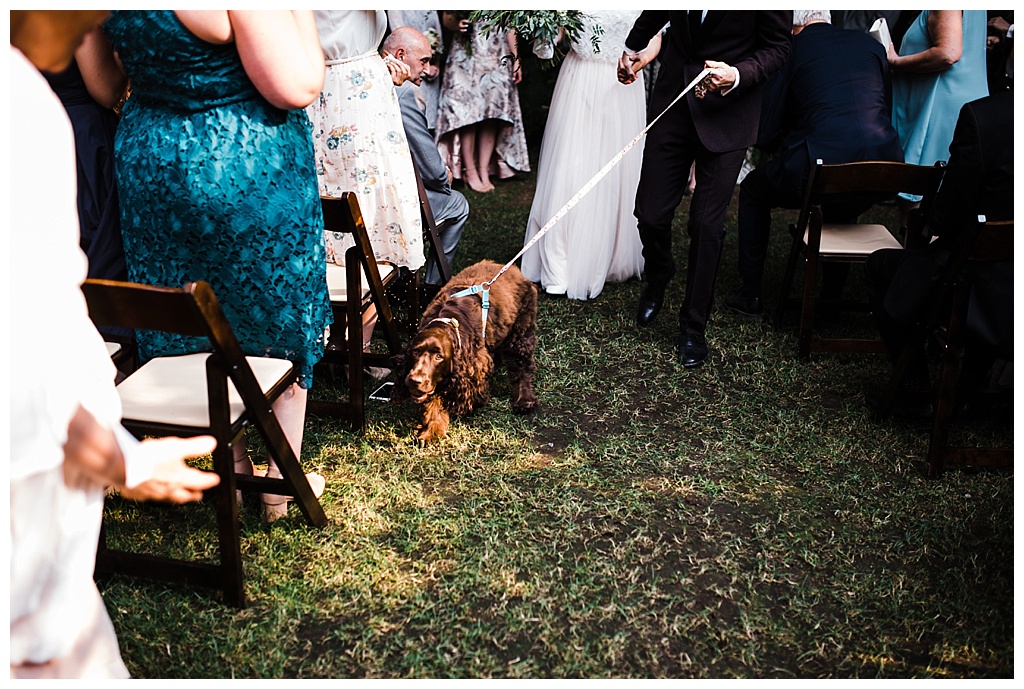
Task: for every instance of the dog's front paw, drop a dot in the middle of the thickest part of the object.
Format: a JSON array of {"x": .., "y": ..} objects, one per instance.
[
  {"x": 427, "y": 434},
  {"x": 525, "y": 405}
]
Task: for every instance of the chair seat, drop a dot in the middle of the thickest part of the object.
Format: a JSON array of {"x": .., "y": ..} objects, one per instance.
[
  {"x": 112, "y": 348},
  {"x": 172, "y": 390},
  {"x": 853, "y": 241},
  {"x": 336, "y": 281}
]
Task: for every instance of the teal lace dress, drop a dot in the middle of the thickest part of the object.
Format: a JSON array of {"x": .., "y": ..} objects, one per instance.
[{"x": 217, "y": 184}]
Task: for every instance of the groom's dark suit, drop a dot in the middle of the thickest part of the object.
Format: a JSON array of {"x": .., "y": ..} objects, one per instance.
[{"x": 714, "y": 132}]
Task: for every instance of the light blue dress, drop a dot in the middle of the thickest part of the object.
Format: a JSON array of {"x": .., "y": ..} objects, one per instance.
[{"x": 926, "y": 105}]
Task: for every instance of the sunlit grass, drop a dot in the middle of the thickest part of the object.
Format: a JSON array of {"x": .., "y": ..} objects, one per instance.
[{"x": 747, "y": 519}]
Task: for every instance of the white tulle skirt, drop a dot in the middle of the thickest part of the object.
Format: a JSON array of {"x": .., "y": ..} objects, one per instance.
[{"x": 592, "y": 118}]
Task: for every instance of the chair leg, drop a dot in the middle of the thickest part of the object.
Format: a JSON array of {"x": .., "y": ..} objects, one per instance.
[
  {"x": 787, "y": 282},
  {"x": 228, "y": 530},
  {"x": 807, "y": 306},
  {"x": 951, "y": 363}
]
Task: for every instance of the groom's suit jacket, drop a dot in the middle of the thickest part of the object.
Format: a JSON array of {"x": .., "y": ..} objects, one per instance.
[{"x": 757, "y": 43}]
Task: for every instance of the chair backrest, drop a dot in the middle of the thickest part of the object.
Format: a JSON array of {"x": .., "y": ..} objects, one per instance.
[
  {"x": 878, "y": 178},
  {"x": 343, "y": 215},
  {"x": 430, "y": 229},
  {"x": 191, "y": 310}
]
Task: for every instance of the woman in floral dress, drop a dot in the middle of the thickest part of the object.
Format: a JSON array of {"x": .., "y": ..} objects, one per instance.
[
  {"x": 359, "y": 140},
  {"x": 479, "y": 123}
]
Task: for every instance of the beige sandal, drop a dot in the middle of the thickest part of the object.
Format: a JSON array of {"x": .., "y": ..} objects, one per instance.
[
  {"x": 471, "y": 174},
  {"x": 276, "y": 506}
]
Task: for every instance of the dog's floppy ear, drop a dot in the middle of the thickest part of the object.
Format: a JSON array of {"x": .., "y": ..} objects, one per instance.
[{"x": 467, "y": 386}]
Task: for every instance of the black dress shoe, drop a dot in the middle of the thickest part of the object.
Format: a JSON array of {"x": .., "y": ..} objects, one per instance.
[
  {"x": 747, "y": 309},
  {"x": 651, "y": 298},
  {"x": 693, "y": 350}
]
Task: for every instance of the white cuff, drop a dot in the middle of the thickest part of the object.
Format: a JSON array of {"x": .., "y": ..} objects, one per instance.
[
  {"x": 735, "y": 84},
  {"x": 138, "y": 468}
]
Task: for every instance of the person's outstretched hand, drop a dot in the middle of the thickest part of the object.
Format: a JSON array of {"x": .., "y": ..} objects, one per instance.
[{"x": 172, "y": 479}]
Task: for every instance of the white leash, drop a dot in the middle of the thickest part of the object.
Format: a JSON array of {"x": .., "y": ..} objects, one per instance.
[
  {"x": 483, "y": 288},
  {"x": 595, "y": 179}
]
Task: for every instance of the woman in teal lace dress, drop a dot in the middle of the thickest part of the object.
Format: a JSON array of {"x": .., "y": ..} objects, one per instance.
[{"x": 214, "y": 164}]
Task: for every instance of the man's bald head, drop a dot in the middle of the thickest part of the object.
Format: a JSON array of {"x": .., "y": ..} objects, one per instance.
[{"x": 411, "y": 47}]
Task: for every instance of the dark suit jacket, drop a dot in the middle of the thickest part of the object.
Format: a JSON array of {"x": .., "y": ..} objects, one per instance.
[
  {"x": 424, "y": 151},
  {"x": 978, "y": 181},
  {"x": 756, "y": 43},
  {"x": 833, "y": 101}
]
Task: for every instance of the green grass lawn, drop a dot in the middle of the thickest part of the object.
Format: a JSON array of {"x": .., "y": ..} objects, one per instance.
[{"x": 746, "y": 519}]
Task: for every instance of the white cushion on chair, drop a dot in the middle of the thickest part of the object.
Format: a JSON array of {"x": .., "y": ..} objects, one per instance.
[
  {"x": 854, "y": 240},
  {"x": 172, "y": 389},
  {"x": 112, "y": 348},
  {"x": 337, "y": 283}
]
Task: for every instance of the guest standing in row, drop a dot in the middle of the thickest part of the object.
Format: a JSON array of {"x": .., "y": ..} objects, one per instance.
[
  {"x": 67, "y": 446},
  {"x": 359, "y": 141},
  {"x": 479, "y": 122},
  {"x": 939, "y": 67},
  {"x": 216, "y": 181}
]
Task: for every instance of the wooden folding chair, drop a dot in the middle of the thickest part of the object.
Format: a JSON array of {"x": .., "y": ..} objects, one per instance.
[
  {"x": 816, "y": 242},
  {"x": 362, "y": 275},
  {"x": 430, "y": 233},
  {"x": 945, "y": 323},
  {"x": 218, "y": 393}
]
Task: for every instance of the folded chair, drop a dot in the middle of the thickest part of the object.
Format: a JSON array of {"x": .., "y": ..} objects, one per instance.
[
  {"x": 816, "y": 242},
  {"x": 945, "y": 323},
  {"x": 361, "y": 283},
  {"x": 220, "y": 393},
  {"x": 430, "y": 233}
]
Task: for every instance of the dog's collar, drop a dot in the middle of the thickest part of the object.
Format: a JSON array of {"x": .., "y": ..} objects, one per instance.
[{"x": 454, "y": 325}]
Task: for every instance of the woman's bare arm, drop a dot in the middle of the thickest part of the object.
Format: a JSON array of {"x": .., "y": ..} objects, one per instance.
[
  {"x": 945, "y": 29},
  {"x": 102, "y": 73},
  {"x": 281, "y": 53}
]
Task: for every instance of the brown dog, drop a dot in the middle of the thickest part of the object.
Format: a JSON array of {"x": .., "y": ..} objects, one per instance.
[{"x": 446, "y": 367}]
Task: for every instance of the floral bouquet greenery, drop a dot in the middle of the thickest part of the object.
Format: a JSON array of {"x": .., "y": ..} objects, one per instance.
[{"x": 537, "y": 26}]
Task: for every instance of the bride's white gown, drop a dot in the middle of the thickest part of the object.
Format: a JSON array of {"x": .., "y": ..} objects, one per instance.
[{"x": 592, "y": 118}]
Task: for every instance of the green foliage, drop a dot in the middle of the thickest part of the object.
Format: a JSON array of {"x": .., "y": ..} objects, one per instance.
[{"x": 538, "y": 25}]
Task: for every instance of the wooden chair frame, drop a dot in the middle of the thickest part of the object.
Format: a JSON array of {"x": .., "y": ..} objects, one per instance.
[
  {"x": 343, "y": 215},
  {"x": 430, "y": 233},
  {"x": 837, "y": 183},
  {"x": 193, "y": 311},
  {"x": 945, "y": 320}
]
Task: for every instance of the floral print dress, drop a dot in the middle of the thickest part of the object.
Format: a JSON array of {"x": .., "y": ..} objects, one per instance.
[
  {"x": 478, "y": 85},
  {"x": 360, "y": 146}
]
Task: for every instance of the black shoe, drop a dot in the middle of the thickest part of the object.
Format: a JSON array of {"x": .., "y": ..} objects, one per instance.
[
  {"x": 693, "y": 350},
  {"x": 651, "y": 298},
  {"x": 747, "y": 309}
]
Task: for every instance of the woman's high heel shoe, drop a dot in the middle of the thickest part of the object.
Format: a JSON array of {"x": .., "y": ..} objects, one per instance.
[
  {"x": 276, "y": 506},
  {"x": 475, "y": 183}
]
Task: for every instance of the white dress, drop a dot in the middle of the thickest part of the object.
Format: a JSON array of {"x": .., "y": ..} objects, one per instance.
[
  {"x": 59, "y": 625},
  {"x": 592, "y": 118},
  {"x": 359, "y": 140}
]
